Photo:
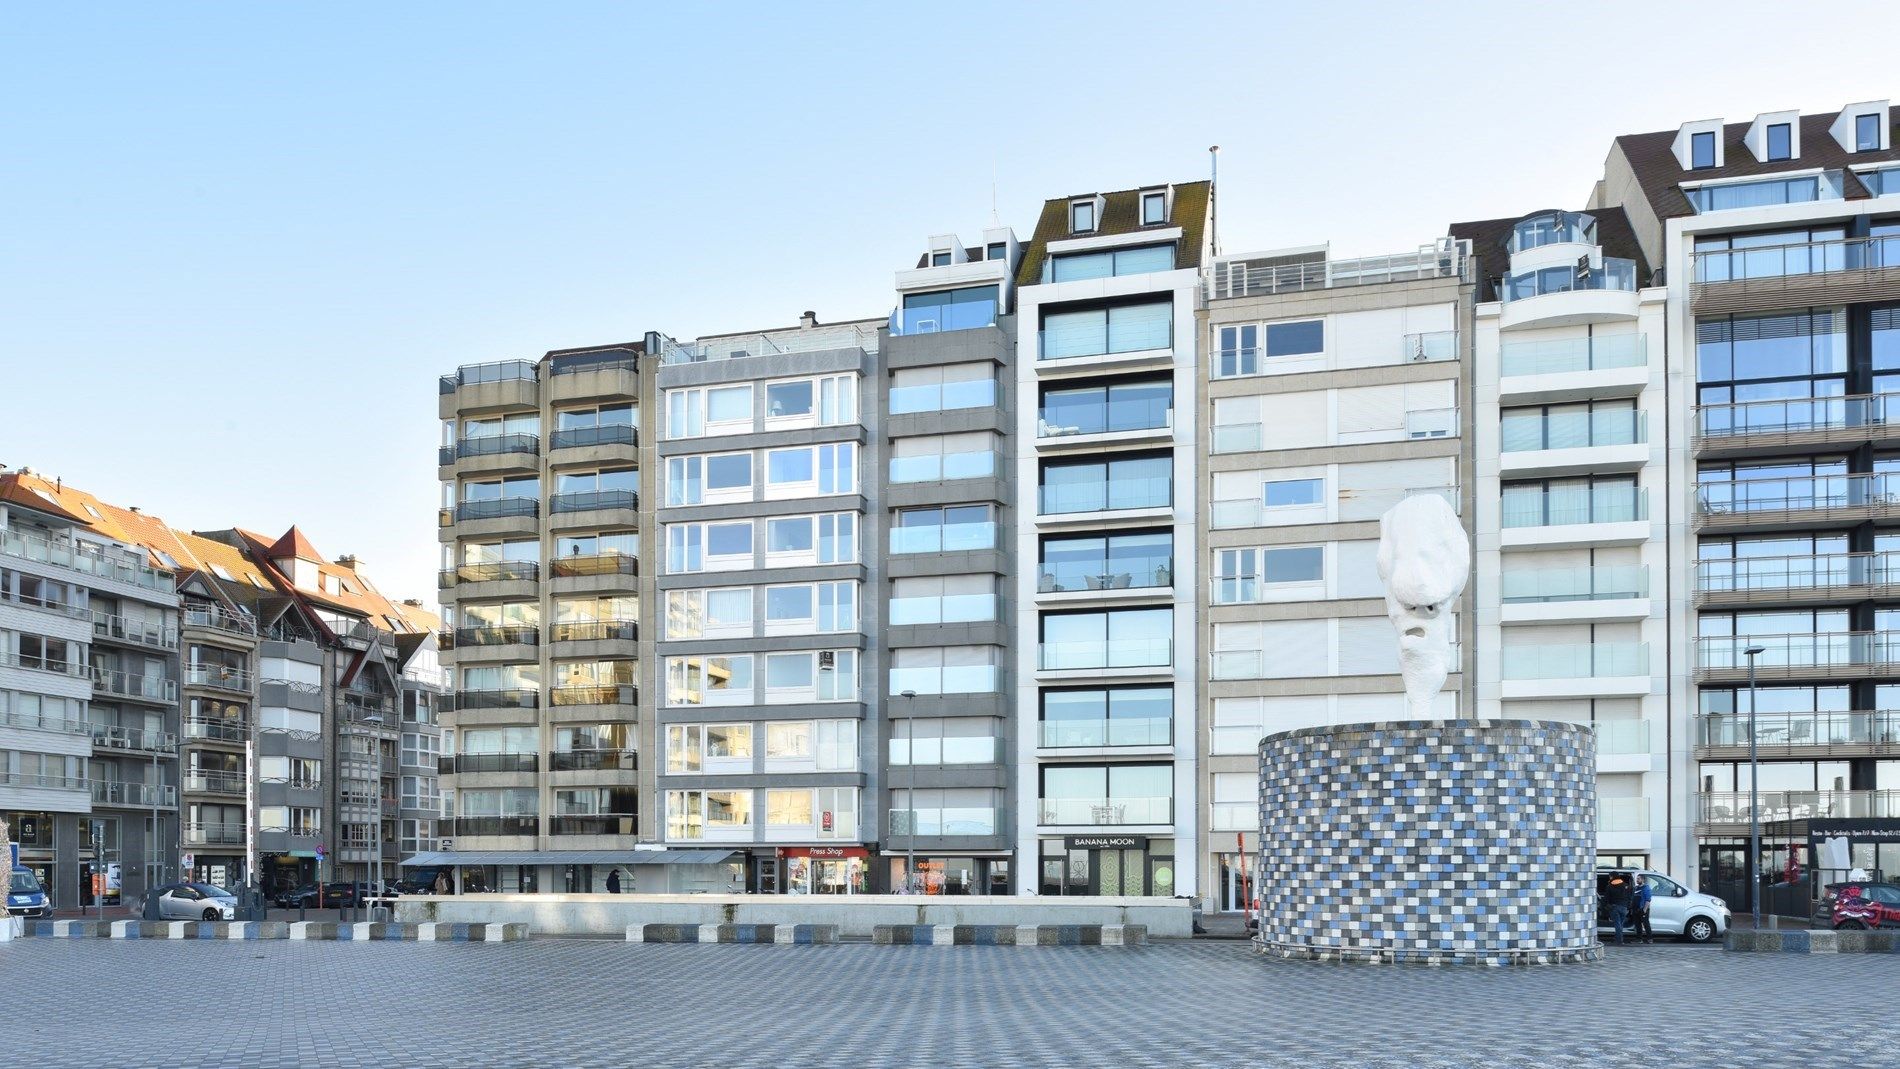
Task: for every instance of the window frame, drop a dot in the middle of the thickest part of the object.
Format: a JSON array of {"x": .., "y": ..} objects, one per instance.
[
  {"x": 1157, "y": 197},
  {"x": 1697, "y": 141}
]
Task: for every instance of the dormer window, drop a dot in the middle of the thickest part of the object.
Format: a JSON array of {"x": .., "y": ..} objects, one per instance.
[
  {"x": 1154, "y": 208},
  {"x": 1781, "y": 141},
  {"x": 998, "y": 250},
  {"x": 1867, "y": 133},
  {"x": 940, "y": 259},
  {"x": 1081, "y": 216},
  {"x": 1702, "y": 150}
]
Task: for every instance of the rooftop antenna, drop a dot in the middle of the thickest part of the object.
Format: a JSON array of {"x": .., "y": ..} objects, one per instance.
[
  {"x": 1213, "y": 203},
  {"x": 996, "y": 219}
]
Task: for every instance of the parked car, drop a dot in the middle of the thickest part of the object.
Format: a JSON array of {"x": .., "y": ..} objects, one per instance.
[
  {"x": 335, "y": 896},
  {"x": 367, "y": 891},
  {"x": 25, "y": 896},
  {"x": 196, "y": 901},
  {"x": 1855, "y": 904},
  {"x": 1673, "y": 908}
]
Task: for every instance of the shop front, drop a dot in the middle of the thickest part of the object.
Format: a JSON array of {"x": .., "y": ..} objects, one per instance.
[
  {"x": 1108, "y": 865},
  {"x": 824, "y": 870},
  {"x": 940, "y": 875}
]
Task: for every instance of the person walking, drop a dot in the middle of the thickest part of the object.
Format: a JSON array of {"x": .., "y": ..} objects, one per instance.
[
  {"x": 442, "y": 882},
  {"x": 1639, "y": 909},
  {"x": 613, "y": 882},
  {"x": 1619, "y": 896}
]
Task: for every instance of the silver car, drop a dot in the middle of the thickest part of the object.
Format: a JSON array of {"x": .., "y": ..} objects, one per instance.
[
  {"x": 196, "y": 902},
  {"x": 1673, "y": 908}
]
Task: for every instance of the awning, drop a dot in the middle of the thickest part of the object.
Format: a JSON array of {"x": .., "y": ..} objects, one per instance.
[{"x": 567, "y": 857}]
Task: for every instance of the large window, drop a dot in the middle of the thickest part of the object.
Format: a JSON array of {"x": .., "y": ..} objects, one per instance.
[
  {"x": 941, "y": 599},
  {"x": 1106, "y": 562},
  {"x": 831, "y": 538},
  {"x": 1779, "y": 345},
  {"x": 956, "y": 740},
  {"x": 943, "y": 457},
  {"x": 723, "y": 612},
  {"x": 1107, "y": 795},
  {"x": 1123, "y": 328},
  {"x": 964, "y": 309},
  {"x": 811, "y": 675},
  {"x": 1293, "y": 493},
  {"x": 811, "y": 608},
  {"x": 827, "y": 401},
  {"x": 1108, "y": 716},
  {"x": 950, "y": 529},
  {"x": 1729, "y": 195},
  {"x": 708, "y": 749},
  {"x": 811, "y": 746},
  {"x": 1125, "y": 482},
  {"x": 699, "y": 480},
  {"x": 717, "y": 680},
  {"x": 1075, "y": 266},
  {"x": 708, "y": 547},
  {"x": 945, "y": 670},
  {"x": 802, "y": 471},
  {"x": 1772, "y": 253},
  {"x": 708, "y": 814},
  {"x": 604, "y": 425},
  {"x": 1867, "y": 132},
  {"x": 1106, "y": 409},
  {"x": 1702, "y": 150},
  {"x": 1570, "y": 426},
  {"x": 1122, "y": 638},
  {"x": 942, "y": 389},
  {"x": 1560, "y": 502},
  {"x": 713, "y": 410}
]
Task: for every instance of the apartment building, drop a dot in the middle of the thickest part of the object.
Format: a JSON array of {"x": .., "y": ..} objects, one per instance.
[
  {"x": 1332, "y": 389},
  {"x": 1779, "y": 242},
  {"x": 1105, "y": 659},
  {"x": 547, "y": 643}
]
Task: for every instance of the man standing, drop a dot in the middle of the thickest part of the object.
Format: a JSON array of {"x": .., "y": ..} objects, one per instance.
[
  {"x": 1639, "y": 910},
  {"x": 1618, "y": 895},
  {"x": 613, "y": 882}
]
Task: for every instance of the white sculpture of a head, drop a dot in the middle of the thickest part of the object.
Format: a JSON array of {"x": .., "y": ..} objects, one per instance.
[{"x": 1424, "y": 559}]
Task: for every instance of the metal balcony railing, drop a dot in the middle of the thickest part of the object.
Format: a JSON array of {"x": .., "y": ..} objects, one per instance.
[
  {"x": 594, "y": 761},
  {"x": 216, "y": 729},
  {"x": 497, "y": 371},
  {"x": 594, "y": 824},
  {"x": 515, "y": 698},
  {"x": 138, "y": 632},
  {"x": 231, "y": 783},
  {"x": 580, "y": 437},
  {"x": 209, "y": 833},
  {"x": 492, "y": 762},
  {"x": 1816, "y": 494},
  {"x": 497, "y": 508},
  {"x": 222, "y": 677},
  {"x": 604, "y": 360},
  {"x": 1763, "y": 578},
  {"x": 128, "y": 685},
  {"x": 1821, "y": 653},
  {"x": 1832, "y": 256},
  {"x": 112, "y": 737},
  {"x": 740, "y": 346},
  {"x": 1781, "y": 734},
  {"x": 1733, "y": 807},
  {"x": 595, "y": 630},
  {"x": 1794, "y": 418},
  {"x": 219, "y": 620},
  {"x": 585, "y": 500},
  {"x": 1251, "y": 276},
  {"x": 57, "y": 783},
  {"x": 490, "y": 445},
  {"x": 497, "y": 825},
  {"x": 513, "y": 634},
  {"x": 119, "y": 793},
  {"x": 87, "y": 558}
]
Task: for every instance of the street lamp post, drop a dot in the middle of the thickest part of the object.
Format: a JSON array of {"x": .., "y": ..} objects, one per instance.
[
  {"x": 376, "y": 822},
  {"x": 1754, "y": 796},
  {"x": 910, "y": 791}
]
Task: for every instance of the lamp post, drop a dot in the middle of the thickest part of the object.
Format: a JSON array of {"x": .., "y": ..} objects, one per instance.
[
  {"x": 375, "y": 820},
  {"x": 1754, "y": 796},
  {"x": 910, "y": 791}
]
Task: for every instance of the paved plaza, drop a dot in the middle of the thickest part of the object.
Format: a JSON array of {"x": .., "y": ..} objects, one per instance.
[{"x": 577, "y": 1003}]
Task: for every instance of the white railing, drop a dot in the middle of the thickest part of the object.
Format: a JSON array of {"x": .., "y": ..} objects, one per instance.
[
  {"x": 740, "y": 346},
  {"x": 1267, "y": 273}
]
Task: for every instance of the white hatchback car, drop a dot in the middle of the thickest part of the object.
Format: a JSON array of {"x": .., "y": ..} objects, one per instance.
[
  {"x": 1673, "y": 908},
  {"x": 196, "y": 901}
]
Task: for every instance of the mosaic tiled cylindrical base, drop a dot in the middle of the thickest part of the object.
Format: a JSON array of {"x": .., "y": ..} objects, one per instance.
[{"x": 1454, "y": 842}]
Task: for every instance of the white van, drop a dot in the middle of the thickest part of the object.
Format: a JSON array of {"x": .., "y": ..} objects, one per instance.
[{"x": 1673, "y": 908}]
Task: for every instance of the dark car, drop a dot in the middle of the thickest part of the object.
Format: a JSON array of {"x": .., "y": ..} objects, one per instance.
[
  {"x": 335, "y": 896},
  {"x": 1853, "y": 904}
]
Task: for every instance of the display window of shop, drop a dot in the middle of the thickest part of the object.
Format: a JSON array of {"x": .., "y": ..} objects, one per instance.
[
  {"x": 822, "y": 870},
  {"x": 1107, "y": 865}
]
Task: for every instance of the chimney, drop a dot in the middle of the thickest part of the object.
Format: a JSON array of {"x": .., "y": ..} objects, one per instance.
[
  {"x": 134, "y": 509},
  {"x": 808, "y": 320},
  {"x": 414, "y": 603},
  {"x": 347, "y": 560}
]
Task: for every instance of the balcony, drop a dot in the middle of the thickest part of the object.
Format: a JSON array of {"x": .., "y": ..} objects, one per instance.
[
  {"x": 1796, "y": 502},
  {"x": 946, "y": 823},
  {"x": 465, "y": 637},
  {"x": 491, "y": 572},
  {"x": 369, "y": 710},
  {"x": 497, "y": 508},
  {"x": 944, "y": 467},
  {"x": 943, "y": 316},
  {"x": 1586, "y": 516},
  {"x": 1752, "y": 427},
  {"x": 1797, "y": 580},
  {"x": 206, "y": 833},
  {"x": 1548, "y": 595},
  {"x": 1575, "y": 670},
  {"x": 218, "y": 677},
  {"x": 596, "y": 631},
  {"x": 120, "y": 684},
  {"x": 489, "y": 762},
  {"x": 1296, "y": 272},
  {"x": 492, "y": 445},
  {"x": 108, "y": 627},
  {"x": 109, "y": 737},
  {"x": 216, "y": 729},
  {"x": 1623, "y": 738},
  {"x": 596, "y": 694},
  {"x": 1110, "y": 654},
  {"x": 1104, "y": 812},
  {"x": 217, "y": 619},
  {"x": 134, "y": 795},
  {"x": 36, "y": 720},
  {"x": 1120, "y": 495},
  {"x": 1564, "y": 444},
  {"x": 943, "y": 538},
  {"x": 593, "y": 500},
  {"x": 1564, "y": 295},
  {"x": 595, "y": 824},
  {"x": 1802, "y": 734},
  {"x": 1150, "y": 337},
  {"x": 497, "y": 371},
  {"x": 1573, "y": 369},
  {"x": 942, "y": 397},
  {"x": 595, "y": 564},
  {"x": 1112, "y": 731},
  {"x": 225, "y": 783},
  {"x": 497, "y": 826},
  {"x": 1553, "y": 228},
  {"x": 941, "y": 609},
  {"x": 1616, "y": 815},
  {"x": 1732, "y": 808},
  {"x": 743, "y": 346},
  {"x": 50, "y": 783},
  {"x": 1123, "y": 570},
  {"x": 87, "y": 558},
  {"x": 594, "y": 761},
  {"x": 517, "y": 698},
  {"x": 954, "y": 679},
  {"x": 1111, "y": 420},
  {"x": 586, "y": 437},
  {"x": 1851, "y": 270},
  {"x": 1816, "y": 655}
]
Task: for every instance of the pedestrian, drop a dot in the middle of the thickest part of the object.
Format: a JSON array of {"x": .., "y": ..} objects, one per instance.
[
  {"x": 442, "y": 882},
  {"x": 1639, "y": 909},
  {"x": 1617, "y": 895},
  {"x": 613, "y": 882}
]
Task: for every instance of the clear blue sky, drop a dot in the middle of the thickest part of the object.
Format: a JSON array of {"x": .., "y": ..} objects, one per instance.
[{"x": 243, "y": 240}]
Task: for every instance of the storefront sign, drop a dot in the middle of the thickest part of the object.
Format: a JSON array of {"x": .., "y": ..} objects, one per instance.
[
  {"x": 823, "y": 851},
  {"x": 1105, "y": 842},
  {"x": 1872, "y": 830}
]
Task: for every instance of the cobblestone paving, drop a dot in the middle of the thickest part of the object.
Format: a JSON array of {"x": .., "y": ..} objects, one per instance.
[{"x": 579, "y": 1003}]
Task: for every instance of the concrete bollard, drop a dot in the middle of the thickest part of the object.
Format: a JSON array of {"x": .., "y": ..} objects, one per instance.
[
  {"x": 943, "y": 935},
  {"x": 709, "y": 933}
]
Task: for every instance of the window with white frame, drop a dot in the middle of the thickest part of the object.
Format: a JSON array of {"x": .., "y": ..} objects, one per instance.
[
  {"x": 811, "y": 675},
  {"x": 829, "y": 538},
  {"x": 811, "y": 746},
  {"x": 708, "y": 749},
  {"x": 722, "y": 546},
  {"x": 704, "y": 412},
  {"x": 1081, "y": 216},
  {"x": 716, "y": 815},
  {"x": 811, "y": 608},
  {"x": 811, "y": 470},
  {"x": 719, "y": 612},
  {"x": 713, "y": 680},
  {"x": 826, "y": 401},
  {"x": 718, "y": 478}
]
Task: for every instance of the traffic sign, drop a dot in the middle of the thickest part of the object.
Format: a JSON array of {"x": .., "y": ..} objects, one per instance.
[{"x": 320, "y": 851}]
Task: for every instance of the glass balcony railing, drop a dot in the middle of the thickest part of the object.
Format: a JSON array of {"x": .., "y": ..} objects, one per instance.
[
  {"x": 942, "y": 317},
  {"x": 1794, "y": 730},
  {"x": 1582, "y": 583},
  {"x": 942, "y": 609},
  {"x": 85, "y": 557},
  {"x": 1801, "y": 415},
  {"x": 943, "y": 538},
  {"x": 1552, "y": 229},
  {"x": 944, "y": 467},
  {"x": 1615, "y": 274},
  {"x": 1111, "y": 731},
  {"x": 131, "y": 685},
  {"x": 1111, "y": 417},
  {"x": 1783, "y": 653},
  {"x": 1819, "y": 571},
  {"x": 588, "y": 500},
  {"x": 231, "y": 783},
  {"x": 1596, "y": 660},
  {"x": 944, "y": 822},
  {"x": 1600, "y": 352},
  {"x": 491, "y": 572},
  {"x": 953, "y": 679},
  {"x": 1236, "y": 438},
  {"x": 528, "y": 825},
  {"x": 497, "y": 635},
  {"x": 1622, "y": 814},
  {"x": 1112, "y": 653},
  {"x": 598, "y": 630},
  {"x": 594, "y": 824},
  {"x": 112, "y": 737},
  {"x": 516, "y": 698},
  {"x": 140, "y": 632},
  {"x": 120, "y": 793},
  {"x": 498, "y": 371},
  {"x": 1429, "y": 345},
  {"x": 1123, "y": 570},
  {"x": 1800, "y": 190},
  {"x": 1801, "y": 493},
  {"x": 218, "y": 676},
  {"x": 1579, "y": 430},
  {"x": 1619, "y": 738},
  {"x": 492, "y": 762},
  {"x": 1141, "y": 337},
  {"x": 955, "y": 750},
  {"x": 214, "y": 833},
  {"x": 943, "y": 397},
  {"x": 1736, "y": 807},
  {"x": 594, "y": 761},
  {"x": 1114, "y": 496},
  {"x": 216, "y": 729},
  {"x": 1104, "y": 812},
  {"x": 1797, "y": 258},
  {"x": 594, "y": 564},
  {"x": 581, "y": 437},
  {"x": 219, "y": 620},
  {"x": 1563, "y": 508}
]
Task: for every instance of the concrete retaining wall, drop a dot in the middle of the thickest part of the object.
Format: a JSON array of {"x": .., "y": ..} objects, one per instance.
[
  {"x": 303, "y": 930},
  {"x": 855, "y": 916},
  {"x": 1823, "y": 941}
]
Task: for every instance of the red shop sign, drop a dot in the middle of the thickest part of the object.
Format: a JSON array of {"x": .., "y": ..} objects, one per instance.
[{"x": 823, "y": 851}]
